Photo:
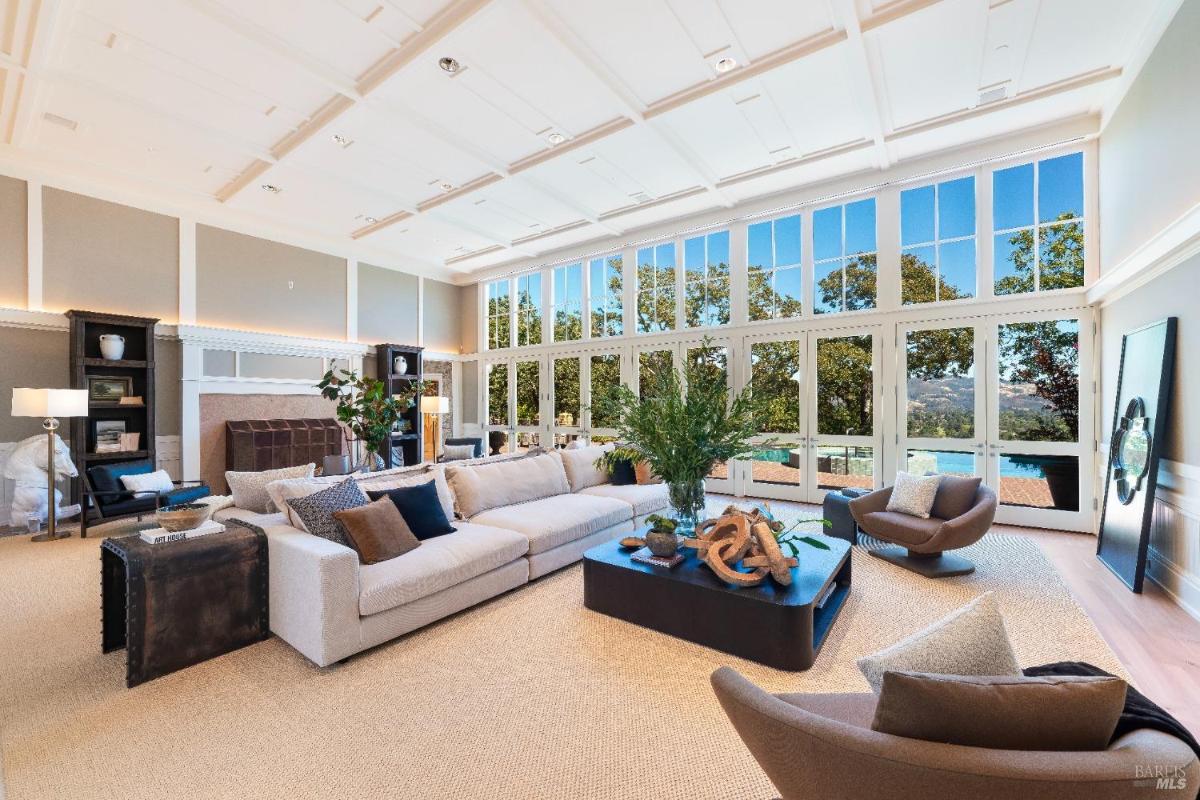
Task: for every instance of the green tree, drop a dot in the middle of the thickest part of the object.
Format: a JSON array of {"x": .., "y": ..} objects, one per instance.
[
  {"x": 606, "y": 375},
  {"x": 499, "y": 327},
  {"x": 498, "y": 394},
  {"x": 845, "y": 386},
  {"x": 655, "y": 298},
  {"x": 765, "y": 301},
  {"x": 606, "y": 318},
  {"x": 1059, "y": 264},
  {"x": 861, "y": 279}
]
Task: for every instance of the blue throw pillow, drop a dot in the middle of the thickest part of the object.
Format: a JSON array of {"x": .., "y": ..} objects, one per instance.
[{"x": 420, "y": 507}]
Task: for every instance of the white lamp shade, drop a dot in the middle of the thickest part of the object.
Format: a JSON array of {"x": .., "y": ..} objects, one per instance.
[
  {"x": 49, "y": 403},
  {"x": 435, "y": 405}
]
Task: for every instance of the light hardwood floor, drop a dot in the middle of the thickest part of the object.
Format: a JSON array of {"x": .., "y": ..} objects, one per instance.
[{"x": 1156, "y": 640}]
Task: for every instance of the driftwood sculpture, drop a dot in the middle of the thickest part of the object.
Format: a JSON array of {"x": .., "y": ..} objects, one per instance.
[{"x": 747, "y": 537}]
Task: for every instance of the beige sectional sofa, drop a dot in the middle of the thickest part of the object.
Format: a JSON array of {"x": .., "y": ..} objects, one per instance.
[{"x": 516, "y": 520}]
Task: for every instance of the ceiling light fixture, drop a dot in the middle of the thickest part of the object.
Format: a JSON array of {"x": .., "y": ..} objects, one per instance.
[
  {"x": 447, "y": 186},
  {"x": 449, "y": 65},
  {"x": 725, "y": 65},
  {"x": 556, "y": 138},
  {"x": 341, "y": 140},
  {"x": 270, "y": 187},
  {"x": 370, "y": 220}
]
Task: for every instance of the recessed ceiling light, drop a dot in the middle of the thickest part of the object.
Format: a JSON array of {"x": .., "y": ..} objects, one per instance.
[
  {"x": 725, "y": 64},
  {"x": 449, "y": 64},
  {"x": 556, "y": 138},
  {"x": 270, "y": 187},
  {"x": 342, "y": 140},
  {"x": 447, "y": 186},
  {"x": 370, "y": 220}
]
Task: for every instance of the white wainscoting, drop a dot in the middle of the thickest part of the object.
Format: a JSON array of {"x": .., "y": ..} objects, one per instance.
[{"x": 1174, "y": 559}]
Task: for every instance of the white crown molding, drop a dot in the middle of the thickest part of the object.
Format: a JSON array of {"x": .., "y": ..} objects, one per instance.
[
  {"x": 270, "y": 343},
  {"x": 34, "y": 320},
  {"x": 257, "y": 386},
  {"x": 1162, "y": 252}
]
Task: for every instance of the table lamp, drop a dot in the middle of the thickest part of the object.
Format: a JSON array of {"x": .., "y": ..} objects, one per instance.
[
  {"x": 432, "y": 404},
  {"x": 49, "y": 404}
]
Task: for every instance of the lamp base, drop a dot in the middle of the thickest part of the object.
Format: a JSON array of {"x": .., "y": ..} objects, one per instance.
[{"x": 50, "y": 537}]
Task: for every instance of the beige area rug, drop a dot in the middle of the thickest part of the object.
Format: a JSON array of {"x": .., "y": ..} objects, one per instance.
[{"x": 527, "y": 696}]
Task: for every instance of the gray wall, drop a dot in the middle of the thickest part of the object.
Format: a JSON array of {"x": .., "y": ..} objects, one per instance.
[
  {"x": 36, "y": 359},
  {"x": 1173, "y": 294},
  {"x": 1149, "y": 168},
  {"x": 13, "y": 235},
  {"x": 168, "y": 398},
  {"x": 470, "y": 393},
  {"x": 468, "y": 311},
  {"x": 441, "y": 316},
  {"x": 242, "y": 282},
  {"x": 387, "y": 305},
  {"x": 102, "y": 256}
]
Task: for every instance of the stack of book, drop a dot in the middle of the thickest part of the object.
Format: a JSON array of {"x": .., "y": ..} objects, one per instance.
[
  {"x": 644, "y": 556},
  {"x": 160, "y": 535}
]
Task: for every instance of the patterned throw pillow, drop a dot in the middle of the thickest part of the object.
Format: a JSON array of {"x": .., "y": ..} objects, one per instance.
[
  {"x": 316, "y": 510},
  {"x": 914, "y": 495},
  {"x": 249, "y": 489},
  {"x": 969, "y": 641}
]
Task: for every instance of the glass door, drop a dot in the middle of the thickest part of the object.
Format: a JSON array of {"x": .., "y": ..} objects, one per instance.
[
  {"x": 941, "y": 398},
  {"x": 1038, "y": 458},
  {"x": 566, "y": 393},
  {"x": 603, "y": 373},
  {"x": 843, "y": 395},
  {"x": 778, "y": 469},
  {"x": 515, "y": 392},
  {"x": 713, "y": 365}
]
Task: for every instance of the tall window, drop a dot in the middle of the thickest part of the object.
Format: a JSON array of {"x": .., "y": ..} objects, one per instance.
[
  {"x": 773, "y": 264},
  {"x": 605, "y": 301},
  {"x": 606, "y": 376},
  {"x": 844, "y": 257},
  {"x": 1037, "y": 216},
  {"x": 937, "y": 241},
  {"x": 568, "y": 302},
  {"x": 706, "y": 270},
  {"x": 656, "y": 288},
  {"x": 529, "y": 309},
  {"x": 498, "y": 315},
  {"x": 497, "y": 394}
]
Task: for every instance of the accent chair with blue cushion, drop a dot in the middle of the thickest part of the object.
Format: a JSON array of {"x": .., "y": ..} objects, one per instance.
[{"x": 111, "y": 500}]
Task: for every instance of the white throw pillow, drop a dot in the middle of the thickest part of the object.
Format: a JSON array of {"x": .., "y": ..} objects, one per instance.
[
  {"x": 969, "y": 641},
  {"x": 914, "y": 495},
  {"x": 458, "y": 452},
  {"x": 482, "y": 486},
  {"x": 580, "y": 465},
  {"x": 148, "y": 483},
  {"x": 249, "y": 489}
]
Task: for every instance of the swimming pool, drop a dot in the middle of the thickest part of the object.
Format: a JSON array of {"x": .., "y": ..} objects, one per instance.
[{"x": 947, "y": 462}]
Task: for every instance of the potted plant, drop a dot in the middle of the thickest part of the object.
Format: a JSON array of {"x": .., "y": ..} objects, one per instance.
[
  {"x": 619, "y": 463},
  {"x": 686, "y": 423},
  {"x": 661, "y": 539},
  {"x": 366, "y": 411}
]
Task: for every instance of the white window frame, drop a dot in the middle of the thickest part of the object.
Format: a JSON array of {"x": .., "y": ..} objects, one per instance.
[
  {"x": 639, "y": 289},
  {"x": 770, "y": 272},
  {"x": 489, "y": 316},
  {"x": 592, "y": 294},
  {"x": 558, "y": 303},
  {"x": 705, "y": 278},
  {"x": 538, "y": 306},
  {"x": 874, "y": 198},
  {"x": 938, "y": 241}
]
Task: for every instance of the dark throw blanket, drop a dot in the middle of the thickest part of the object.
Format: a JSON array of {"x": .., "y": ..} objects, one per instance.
[{"x": 1139, "y": 711}]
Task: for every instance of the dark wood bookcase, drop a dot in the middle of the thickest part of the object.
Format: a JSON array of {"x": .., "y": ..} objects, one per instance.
[
  {"x": 408, "y": 442},
  {"x": 136, "y": 365}
]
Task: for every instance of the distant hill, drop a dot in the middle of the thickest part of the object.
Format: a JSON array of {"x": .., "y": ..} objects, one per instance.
[{"x": 944, "y": 395}]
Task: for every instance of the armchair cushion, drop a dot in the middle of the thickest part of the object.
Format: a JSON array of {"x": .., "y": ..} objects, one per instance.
[
  {"x": 900, "y": 528},
  {"x": 106, "y": 478},
  {"x": 969, "y": 641},
  {"x": 148, "y": 484},
  {"x": 955, "y": 496}
]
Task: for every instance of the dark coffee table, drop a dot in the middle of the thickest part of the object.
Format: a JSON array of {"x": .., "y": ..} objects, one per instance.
[{"x": 780, "y": 626}]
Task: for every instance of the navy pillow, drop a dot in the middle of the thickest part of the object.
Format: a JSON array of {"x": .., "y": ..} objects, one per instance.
[{"x": 421, "y": 508}]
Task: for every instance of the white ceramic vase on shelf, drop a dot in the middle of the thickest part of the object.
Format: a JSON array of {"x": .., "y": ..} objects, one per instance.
[
  {"x": 112, "y": 346},
  {"x": 399, "y": 365}
]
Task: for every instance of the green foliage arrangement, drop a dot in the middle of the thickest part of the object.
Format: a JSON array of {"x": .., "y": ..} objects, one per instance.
[
  {"x": 660, "y": 523},
  {"x": 609, "y": 459},
  {"x": 364, "y": 407},
  {"x": 685, "y": 422}
]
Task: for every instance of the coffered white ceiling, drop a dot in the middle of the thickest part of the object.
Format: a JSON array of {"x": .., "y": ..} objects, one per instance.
[{"x": 567, "y": 121}]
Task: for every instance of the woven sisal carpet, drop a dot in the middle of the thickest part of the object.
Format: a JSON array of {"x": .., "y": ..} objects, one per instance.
[{"x": 528, "y": 696}]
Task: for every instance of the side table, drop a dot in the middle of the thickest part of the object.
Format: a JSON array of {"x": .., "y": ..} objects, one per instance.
[
  {"x": 176, "y": 604},
  {"x": 836, "y": 509}
]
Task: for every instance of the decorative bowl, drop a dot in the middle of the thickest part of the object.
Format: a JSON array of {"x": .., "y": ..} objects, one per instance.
[
  {"x": 630, "y": 542},
  {"x": 182, "y": 517}
]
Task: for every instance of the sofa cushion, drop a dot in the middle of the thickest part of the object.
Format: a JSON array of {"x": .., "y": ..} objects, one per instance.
[
  {"x": 580, "y": 466},
  {"x": 645, "y": 498},
  {"x": 481, "y": 487},
  {"x": 377, "y": 532},
  {"x": 1052, "y": 713},
  {"x": 955, "y": 496},
  {"x": 419, "y": 506},
  {"x": 437, "y": 564},
  {"x": 969, "y": 641},
  {"x": 553, "y": 521},
  {"x": 902, "y": 529},
  {"x": 249, "y": 489}
]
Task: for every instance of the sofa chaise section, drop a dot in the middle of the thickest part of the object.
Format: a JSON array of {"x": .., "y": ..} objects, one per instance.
[{"x": 645, "y": 498}]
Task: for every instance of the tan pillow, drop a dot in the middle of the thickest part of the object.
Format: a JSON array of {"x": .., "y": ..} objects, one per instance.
[
  {"x": 580, "y": 466},
  {"x": 377, "y": 531},
  {"x": 1001, "y": 712},
  {"x": 249, "y": 489},
  {"x": 644, "y": 474},
  {"x": 482, "y": 486}
]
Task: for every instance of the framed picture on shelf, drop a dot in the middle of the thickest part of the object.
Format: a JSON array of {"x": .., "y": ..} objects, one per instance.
[
  {"x": 108, "y": 389},
  {"x": 108, "y": 434}
]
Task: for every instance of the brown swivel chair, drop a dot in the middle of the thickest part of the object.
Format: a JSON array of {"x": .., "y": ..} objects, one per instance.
[
  {"x": 821, "y": 747},
  {"x": 923, "y": 542}
]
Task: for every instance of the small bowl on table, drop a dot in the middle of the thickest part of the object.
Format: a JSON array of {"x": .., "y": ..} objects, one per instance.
[{"x": 182, "y": 517}]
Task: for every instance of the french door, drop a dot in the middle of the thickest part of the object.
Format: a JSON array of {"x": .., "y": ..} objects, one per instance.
[
  {"x": 516, "y": 393},
  {"x": 821, "y": 430},
  {"x": 1002, "y": 397}
]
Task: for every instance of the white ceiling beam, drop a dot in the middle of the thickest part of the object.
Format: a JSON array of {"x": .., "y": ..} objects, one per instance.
[
  {"x": 483, "y": 233},
  {"x": 865, "y": 80},
  {"x": 42, "y": 26}
]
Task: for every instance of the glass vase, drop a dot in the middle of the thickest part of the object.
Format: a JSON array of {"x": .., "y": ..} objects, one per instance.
[{"x": 687, "y": 503}]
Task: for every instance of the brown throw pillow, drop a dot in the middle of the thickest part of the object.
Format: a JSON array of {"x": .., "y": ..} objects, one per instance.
[
  {"x": 955, "y": 496},
  {"x": 1001, "y": 712},
  {"x": 644, "y": 474},
  {"x": 377, "y": 531}
]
